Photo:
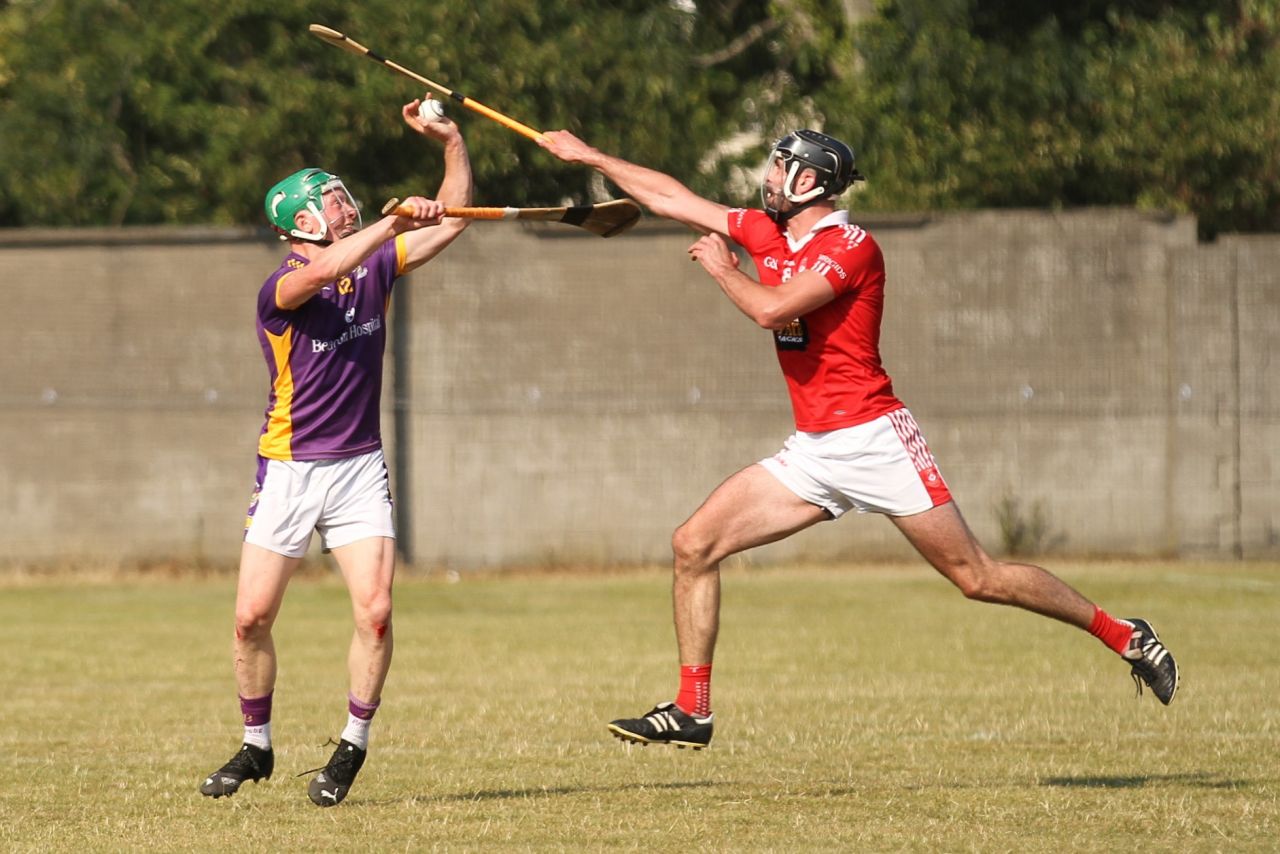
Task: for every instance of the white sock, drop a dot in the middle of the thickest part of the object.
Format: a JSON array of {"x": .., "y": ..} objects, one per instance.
[
  {"x": 357, "y": 731},
  {"x": 258, "y": 736}
]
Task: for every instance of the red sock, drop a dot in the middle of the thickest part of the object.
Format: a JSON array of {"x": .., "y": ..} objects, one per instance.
[
  {"x": 1114, "y": 633},
  {"x": 695, "y": 690}
]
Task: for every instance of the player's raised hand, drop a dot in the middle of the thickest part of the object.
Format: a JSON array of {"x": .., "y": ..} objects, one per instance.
[
  {"x": 713, "y": 254},
  {"x": 424, "y": 212},
  {"x": 426, "y": 116}
]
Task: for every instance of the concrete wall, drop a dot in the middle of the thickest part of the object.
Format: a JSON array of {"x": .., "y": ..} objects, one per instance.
[{"x": 565, "y": 399}]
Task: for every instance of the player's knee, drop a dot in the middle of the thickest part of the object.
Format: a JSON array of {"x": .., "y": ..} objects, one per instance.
[
  {"x": 692, "y": 550},
  {"x": 980, "y": 582},
  {"x": 252, "y": 622},
  {"x": 373, "y": 615}
]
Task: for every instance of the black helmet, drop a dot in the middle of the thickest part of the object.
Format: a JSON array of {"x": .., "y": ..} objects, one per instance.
[{"x": 826, "y": 155}]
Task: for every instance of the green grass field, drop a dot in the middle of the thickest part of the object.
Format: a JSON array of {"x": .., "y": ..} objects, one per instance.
[{"x": 857, "y": 710}]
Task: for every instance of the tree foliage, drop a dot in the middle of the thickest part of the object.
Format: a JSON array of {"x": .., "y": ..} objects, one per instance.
[
  {"x": 141, "y": 111},
  {"x": 1172, "y": 106}
]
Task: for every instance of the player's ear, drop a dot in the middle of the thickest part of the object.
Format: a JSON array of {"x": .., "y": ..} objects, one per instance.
[{"x": 805, "y": 181}]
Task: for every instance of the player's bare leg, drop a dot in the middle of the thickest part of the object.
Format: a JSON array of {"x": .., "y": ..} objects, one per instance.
[
  {"x": 749, "y": 509},
  {"x": 263, "y": 577},
  {"x": 942, "y": 538},
  {"x": 369, "y": 567}
]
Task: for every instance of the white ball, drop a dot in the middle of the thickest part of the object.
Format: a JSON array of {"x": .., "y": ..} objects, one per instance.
[{"x": 431, "y": 110}]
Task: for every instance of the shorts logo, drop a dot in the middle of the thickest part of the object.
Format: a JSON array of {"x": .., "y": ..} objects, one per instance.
[
  {"x": 253, "y": 505},
  {"x": 793, "y": 336}
]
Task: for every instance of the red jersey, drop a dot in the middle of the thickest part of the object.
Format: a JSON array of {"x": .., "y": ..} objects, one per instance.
[{"x": 831, "y": 356}]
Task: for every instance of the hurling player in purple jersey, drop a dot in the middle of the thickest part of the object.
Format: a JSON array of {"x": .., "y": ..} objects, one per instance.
[{"x": 322, "y": 327}]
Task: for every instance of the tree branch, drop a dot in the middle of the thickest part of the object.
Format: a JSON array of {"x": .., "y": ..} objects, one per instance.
[{"x": 753, "y": 34}]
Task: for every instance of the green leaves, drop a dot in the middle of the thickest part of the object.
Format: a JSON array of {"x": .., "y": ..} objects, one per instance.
[
  {"x": 136, "y": 111},
  {"x": 141, "y": 112},
  {"x": 1162, "y": 106}
]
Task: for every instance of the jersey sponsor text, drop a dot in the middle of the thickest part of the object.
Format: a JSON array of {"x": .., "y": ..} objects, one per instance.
[{"x": 354, "y": 331}]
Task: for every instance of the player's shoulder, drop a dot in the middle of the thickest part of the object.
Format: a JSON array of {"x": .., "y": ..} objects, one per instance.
[
  {"x": 290, "y": 263},
  {"x": 750, "y": 218},
  {"x": 849, "y": 237},
  {"x": 753, "y": 228},
  {"x": 850, "y": 249},
  {"x": 267, "y": 293}
]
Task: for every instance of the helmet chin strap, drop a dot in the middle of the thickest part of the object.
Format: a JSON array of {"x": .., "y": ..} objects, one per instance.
[
  {"x": 799, "y": 200},
  {"x": 307, "y": 235},
  {"x": 802, "y": 198}
]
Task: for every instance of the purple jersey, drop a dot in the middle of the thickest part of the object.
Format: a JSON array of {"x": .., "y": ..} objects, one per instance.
[{"x": 325, "y": 360}]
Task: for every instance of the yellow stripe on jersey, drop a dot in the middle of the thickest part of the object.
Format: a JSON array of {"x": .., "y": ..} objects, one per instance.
[
  {"x": 275, "y": 443},
  {"x": 402, "y": 250},
  {"x": 278, "y": 281}
]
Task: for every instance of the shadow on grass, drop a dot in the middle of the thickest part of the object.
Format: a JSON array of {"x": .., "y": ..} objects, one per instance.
[
  {"x": 1191, "y": 780},
  {"x": 531, "y": 792},
  {"x": 1196, "y": 780}
]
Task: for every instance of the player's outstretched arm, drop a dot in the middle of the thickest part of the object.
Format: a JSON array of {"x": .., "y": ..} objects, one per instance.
[
  {"x": 343, "y": 256},
  {"x": 455, "y": 189},
  {"x": 657, "y": 191}
]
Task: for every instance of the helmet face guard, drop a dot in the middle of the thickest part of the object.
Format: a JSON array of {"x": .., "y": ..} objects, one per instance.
[
  {"x": 320, "y": 193},
  {"x": 829, "y": 158}
]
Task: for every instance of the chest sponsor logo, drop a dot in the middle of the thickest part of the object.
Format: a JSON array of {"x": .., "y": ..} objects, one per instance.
[
  {"x": 771, "y": 262},
  {"x": 350, "y": 315},
  {"x": 793, "y": 336},
  {"x": 354, "y": 331}
]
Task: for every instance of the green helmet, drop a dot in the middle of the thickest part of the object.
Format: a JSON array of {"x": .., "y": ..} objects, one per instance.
[{"x": 304, "y": 190}]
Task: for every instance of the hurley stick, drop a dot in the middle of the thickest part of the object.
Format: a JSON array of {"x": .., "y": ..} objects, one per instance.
[
  {"x": 605, "y": 219},
  {"x": 338, "y": 39}
]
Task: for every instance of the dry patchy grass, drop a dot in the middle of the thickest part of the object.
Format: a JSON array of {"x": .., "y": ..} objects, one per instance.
[{"x": 858, "y": 709}]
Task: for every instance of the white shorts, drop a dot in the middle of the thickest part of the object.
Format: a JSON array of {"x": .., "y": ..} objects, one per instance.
[
  {"x": 345, "y": 500},
  {"x": 883, "y": 466}
]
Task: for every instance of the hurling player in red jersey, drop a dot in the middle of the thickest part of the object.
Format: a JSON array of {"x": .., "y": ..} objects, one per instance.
[{"x": 821, "y": 292}]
